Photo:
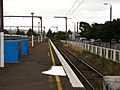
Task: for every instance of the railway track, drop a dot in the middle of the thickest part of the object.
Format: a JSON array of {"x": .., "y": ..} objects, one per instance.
[{"x": 91, "y": 78}]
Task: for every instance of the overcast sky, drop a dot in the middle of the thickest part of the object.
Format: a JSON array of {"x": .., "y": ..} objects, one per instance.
[{"x": 89, "y": 11}]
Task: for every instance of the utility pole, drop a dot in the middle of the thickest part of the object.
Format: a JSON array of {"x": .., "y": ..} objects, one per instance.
[
  {"x": 1, "y": 35},
  {"x": 65, "y": 24}
]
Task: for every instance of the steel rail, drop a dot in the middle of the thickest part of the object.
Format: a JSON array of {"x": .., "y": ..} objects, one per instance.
[
  {"x": 73, "y": 66},
  {"x": 87, "y": 65}
]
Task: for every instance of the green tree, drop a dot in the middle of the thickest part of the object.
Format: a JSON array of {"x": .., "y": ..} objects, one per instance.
[
  {"x": 49, "y": 33},
  {"x": 61, "y": 35},
  {"x": 6, "y": 32},
  {"x": 18, "y": 31},
  {"x": 31, "y": 32},
  {"x": 85, "y": 30},
  {"x": 69, "y": 32}
]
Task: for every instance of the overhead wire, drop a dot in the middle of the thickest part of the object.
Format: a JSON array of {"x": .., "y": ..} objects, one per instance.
[
  {"x": 72, "y": 7},
  {"x": 77, "y": 7}
]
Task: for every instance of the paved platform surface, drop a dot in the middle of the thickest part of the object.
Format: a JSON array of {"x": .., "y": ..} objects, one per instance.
[{"x": 27, "y": 75}]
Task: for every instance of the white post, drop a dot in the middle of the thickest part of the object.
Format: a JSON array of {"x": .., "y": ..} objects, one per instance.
[
  {"x": 88, "y": 47},
  {"x": 41, "y": 38},
  {"x": 92, "y": 49},
  {"x": 101, "y": 51},
  {"x": 111, "y": 55},
  {"x": 2, "y": 49},
  {"x": 114, "y": 55},
  {"x": 96, "y": 49},
  {"x": 32, "y": 41},
  {"x": 38, "y": 38},
  {"x": 119, "y": 56},
  {"x": 82, "y": 46},
  {"x": 85, "y": 46},
  {"x": 77, "y": 44},
  {"x": 107, "y": 53}
]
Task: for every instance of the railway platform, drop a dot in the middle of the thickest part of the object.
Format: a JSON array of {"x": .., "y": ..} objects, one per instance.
[{"x": 27, "y": 75}]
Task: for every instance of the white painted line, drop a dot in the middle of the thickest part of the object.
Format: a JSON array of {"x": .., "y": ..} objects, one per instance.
[
  {"x": 55, "y": 70},
  {"x": 71, "y": 75}
]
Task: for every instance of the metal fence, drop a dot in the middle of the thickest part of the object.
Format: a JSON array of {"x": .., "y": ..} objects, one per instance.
[{"x": 108, "y": 53}]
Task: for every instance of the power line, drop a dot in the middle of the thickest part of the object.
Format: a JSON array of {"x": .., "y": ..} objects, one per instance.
[
  {"x": 77, "y": 7},
  {"x": 72, "y": 7}
]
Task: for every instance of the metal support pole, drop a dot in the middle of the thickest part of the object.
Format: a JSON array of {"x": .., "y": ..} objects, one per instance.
[
  {"x": 77, "y": 27},
  {"x": 32, "y": 31},
  {"x": 41, "y": 30},
  {"x": 32, "y": 20},
  {"x": 66, "y": 28},
  {"x": 1, "y": 35},
  {"x": 110, "y": 12},
  {"x": 38, "y": 32},
  {"x": 44, "y": 34}
]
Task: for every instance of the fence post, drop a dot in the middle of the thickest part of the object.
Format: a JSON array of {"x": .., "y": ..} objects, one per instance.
[
  {"x": 96, "y": 49},
  {"x": 119, "y": 57},
  {"x": 88, "y": 47},
  {"x": 101, "y": 51},
  {"x": 114, "y": 55},
  {"x": 80, "y": 45},
  {"x": 107, "y": 53},
  {"x": 111, "y": 55},
  {"x": 92, "y": 49},
  {"x": 77, "y": 44},
  {"x": 85, "y": 46}
]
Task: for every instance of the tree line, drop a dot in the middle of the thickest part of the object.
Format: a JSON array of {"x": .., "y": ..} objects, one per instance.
[
  {"x": 106, "y": 32},
  {"x": 60, "y": 35},
  {"x": 20, "y": 32}
]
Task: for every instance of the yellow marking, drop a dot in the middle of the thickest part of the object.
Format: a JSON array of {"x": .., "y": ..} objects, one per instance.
[
  {"x": 59, "y": 85},
  {"x": 52, "y": 57},
  {"x": 51, "y": 83}
]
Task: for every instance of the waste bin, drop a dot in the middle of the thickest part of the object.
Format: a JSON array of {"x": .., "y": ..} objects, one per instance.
[
  {"x": 25, "y": 48},
  {"x": 12, "y": 51}
]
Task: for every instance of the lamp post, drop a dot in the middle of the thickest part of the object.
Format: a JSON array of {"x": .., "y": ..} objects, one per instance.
[
  {"x": 32, "y": 20},
  {"x": 110, "y": 10},
  {"x": 38, "y": 32},
  {"x": 110, "y": 20},
  {"x": 32, "y": 31},
  {"x": 1, "y": 35}
]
